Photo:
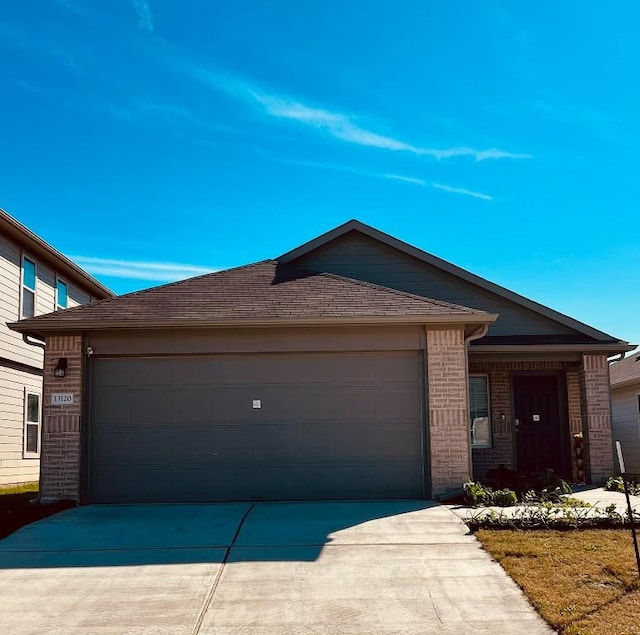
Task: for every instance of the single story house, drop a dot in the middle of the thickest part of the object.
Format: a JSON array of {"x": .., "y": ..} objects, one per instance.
[
  {"x": 625, "y": 406},
  {"x": 353, "y": 366}
]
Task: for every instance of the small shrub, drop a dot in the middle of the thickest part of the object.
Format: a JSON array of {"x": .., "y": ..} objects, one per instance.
[
  {"x": 615, "y": 484},
  {"x": 475, "y": 494},
  {"x": 505, "y": 498}
]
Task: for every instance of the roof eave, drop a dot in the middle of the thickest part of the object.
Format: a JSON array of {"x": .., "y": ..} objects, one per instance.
[
  {"x": 609, "y": 349},
  {"x": 627, "y": 383},
  {"x": 40, "y": 330}
]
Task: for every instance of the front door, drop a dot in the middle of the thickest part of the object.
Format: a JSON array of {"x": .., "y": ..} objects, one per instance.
[{"x": 537, "y": 423}]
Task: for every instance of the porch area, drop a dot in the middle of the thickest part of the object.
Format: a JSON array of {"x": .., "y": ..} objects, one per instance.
[{"x": 542, "y": 413}]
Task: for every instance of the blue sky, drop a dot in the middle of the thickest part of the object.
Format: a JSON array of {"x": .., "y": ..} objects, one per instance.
[{"x": 153, "y": 139}]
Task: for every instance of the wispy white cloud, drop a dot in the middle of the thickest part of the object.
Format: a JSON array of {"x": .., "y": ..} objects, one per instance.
[
  {"x": 405, "y": 179},
  {"x": 145, "y": 15},
  {"x": 339, "y": 125},
  {"x": 413, "y": 180},
  {"x": 139, "y": 270},
  {"x": 461, "y": 190}
]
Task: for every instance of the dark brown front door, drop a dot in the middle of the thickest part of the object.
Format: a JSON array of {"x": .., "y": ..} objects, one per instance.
[{"x": 537, "y": 423}]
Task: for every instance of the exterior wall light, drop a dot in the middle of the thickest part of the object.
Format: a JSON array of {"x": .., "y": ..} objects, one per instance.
[{"x": 61, "y": 368}]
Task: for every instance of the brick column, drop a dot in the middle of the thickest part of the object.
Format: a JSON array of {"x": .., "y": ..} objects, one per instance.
[
  {"x": 596, "y": 416},
  {"x": 449, "y": 433},
  {"x": 60, "y": 454}
]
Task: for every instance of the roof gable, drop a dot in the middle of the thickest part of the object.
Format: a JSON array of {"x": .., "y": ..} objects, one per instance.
[
  {"x": 363, "y": 252},
  {"x": 262, "y": 293}
]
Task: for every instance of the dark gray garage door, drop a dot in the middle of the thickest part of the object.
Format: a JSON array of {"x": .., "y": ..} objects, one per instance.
[{"x": 232, "y": 427}]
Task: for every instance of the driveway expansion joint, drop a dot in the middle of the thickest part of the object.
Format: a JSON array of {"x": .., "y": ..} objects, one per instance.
[{"x": 216, "y": 580}]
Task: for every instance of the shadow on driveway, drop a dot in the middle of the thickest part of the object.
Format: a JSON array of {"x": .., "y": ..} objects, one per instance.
[{"x": 125, "y": 535}]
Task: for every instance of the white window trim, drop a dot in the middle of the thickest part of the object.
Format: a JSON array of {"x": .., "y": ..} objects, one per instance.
[
  {"x": 57, "y": 307},
  {"x": 23, "y": 286},
  {"x": 25, "y": 454},
  {"x": 489, "y": 445}
]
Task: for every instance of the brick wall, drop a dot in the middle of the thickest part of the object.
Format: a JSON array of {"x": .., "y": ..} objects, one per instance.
[
  {"x": 596, "y": 417},
  {"x": 448, "y": 410},
  {"x": 501, "y": 452},
  {"x": 60, "y": 454}
]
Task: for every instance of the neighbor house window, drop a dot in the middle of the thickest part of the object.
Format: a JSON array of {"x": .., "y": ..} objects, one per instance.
[
  {"x": 61, "y": 294},
  {"x": 479, "y": 410},
  {"x": 28, "y": 299},
  {"x": 31, "y": 424}
]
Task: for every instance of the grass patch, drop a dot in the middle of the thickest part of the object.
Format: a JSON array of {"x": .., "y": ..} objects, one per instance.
[
  {"x": 21, "y": 488},
  {"x": 582, "y": 582}
]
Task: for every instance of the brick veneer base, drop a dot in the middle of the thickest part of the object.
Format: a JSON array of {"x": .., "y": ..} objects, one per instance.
[{"x": 60, "y": 452}]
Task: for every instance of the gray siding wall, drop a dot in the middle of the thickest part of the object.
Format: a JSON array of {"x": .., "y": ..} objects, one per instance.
[
  {"x": 626, "y": 425},
  {"x": 358, "y": 256}
]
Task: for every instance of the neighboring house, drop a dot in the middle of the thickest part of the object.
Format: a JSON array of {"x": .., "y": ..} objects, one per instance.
[
  {"x": 354, "y": 366},
  {"x": 625, "y": 406},
  {"x": 34, "y": 279}
]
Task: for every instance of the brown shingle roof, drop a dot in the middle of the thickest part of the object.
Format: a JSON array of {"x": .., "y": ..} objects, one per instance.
[
  {"x": 261, "y": 292},
  {"x": 626, "y": 371}
]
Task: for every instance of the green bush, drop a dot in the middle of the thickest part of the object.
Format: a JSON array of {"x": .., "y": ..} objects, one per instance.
[
  {"x": 615, "y": 484},
  {"x": 477, "y": 495},
  {"x": 505, "y": 498}
]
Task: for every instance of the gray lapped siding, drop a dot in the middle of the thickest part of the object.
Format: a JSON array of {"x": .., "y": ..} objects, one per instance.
[{"x": 358, "y": 256}]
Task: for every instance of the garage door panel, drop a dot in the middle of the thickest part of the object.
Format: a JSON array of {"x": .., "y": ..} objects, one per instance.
[
  {"x": 355, "y": 404},
  {"x": 232, "y": 405},
  {"x": 117, "y": 372},
  {"x": 152, "y": 406},
  {"x": 111, "y": 447},
  {"x": 316, "y": 404},
  {"x": 398, "y": 404},
  {"x": 345, "y": 425},
  {"x": 403, "y": 368},
  {"x": 146, "y": 373},
  {"x": 234, "y": 370},
  {"x": 400, "y": 440},
  {"x": 273, "y": 442},
  {"x": 193, "y": 372},
  {"x": 111, "y": 408}
]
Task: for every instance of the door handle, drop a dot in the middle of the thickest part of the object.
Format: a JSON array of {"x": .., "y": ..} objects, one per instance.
[{"x": 516, "y": 424}]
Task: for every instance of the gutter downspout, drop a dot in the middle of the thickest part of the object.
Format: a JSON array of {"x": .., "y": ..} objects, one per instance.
[
  {"x": 39, "y": 344},
  {"x": 43, "y": 346},
  {"x": 617, "y": 358},
  {"x": 476, "y": 335}
]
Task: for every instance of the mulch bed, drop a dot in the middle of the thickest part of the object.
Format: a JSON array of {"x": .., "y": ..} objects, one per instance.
[{"x": 18, "y": 510}]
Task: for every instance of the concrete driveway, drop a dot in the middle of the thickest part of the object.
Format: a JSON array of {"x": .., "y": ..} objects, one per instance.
[{"x": 355, "y": 568}]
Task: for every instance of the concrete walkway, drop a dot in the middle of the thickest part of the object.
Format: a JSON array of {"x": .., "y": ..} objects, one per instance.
[{"x": 357, "y": 568}]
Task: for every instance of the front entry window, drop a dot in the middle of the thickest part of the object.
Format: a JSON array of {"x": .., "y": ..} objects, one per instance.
[{"x": 479, "y": 410}]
